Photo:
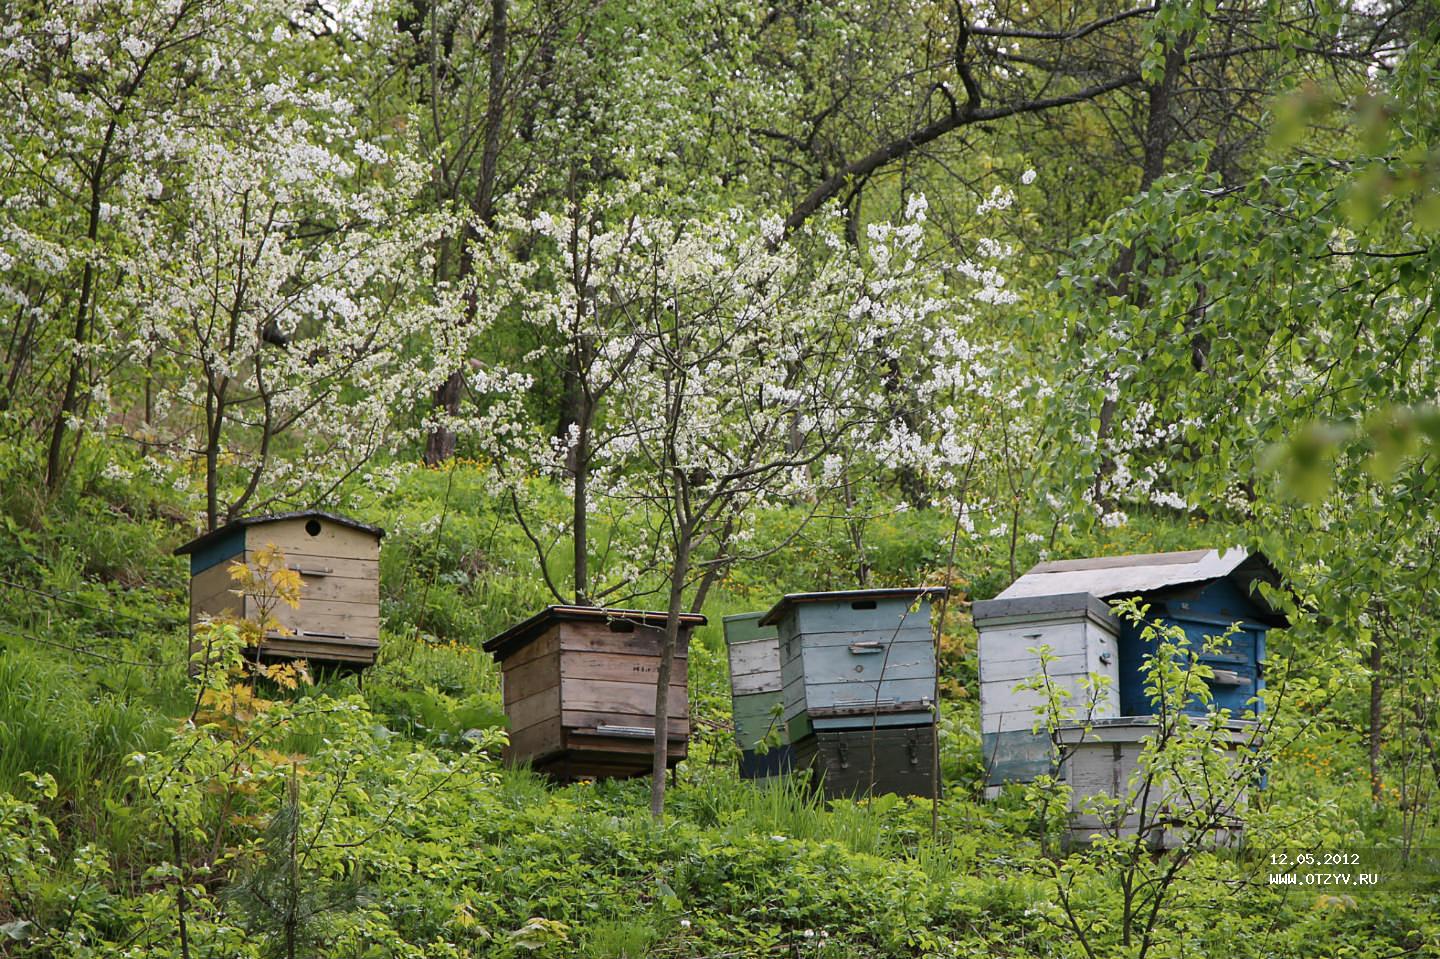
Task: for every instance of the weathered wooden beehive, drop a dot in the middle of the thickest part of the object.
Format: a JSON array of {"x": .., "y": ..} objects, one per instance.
[
  {"x": 579, "y": 690},
  {"x": 1104, "y": 762},
  {"x": 1082, "y": 635},
  {"x": 755, "y": 695},
  {"x": 859, "y": 694},
  {"x": 1202, "y": 591},
  {"x": 337, "y": 623}
]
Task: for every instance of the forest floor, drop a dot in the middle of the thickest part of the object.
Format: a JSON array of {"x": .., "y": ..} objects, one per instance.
[{"x": 342, "y": 819}]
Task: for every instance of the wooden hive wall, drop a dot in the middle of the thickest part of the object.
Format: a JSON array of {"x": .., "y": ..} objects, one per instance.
[
  {"x": 1107, "y": 765},
  {"x": 581, "y": 700},
  {"x": 755, "y": 683},
  {"x": 1013, "y": 752},
  {"x": 1206, "y": 614},
  {"x": 608, "y": 678},
  {"x": 531, "y": 684},
  {"x": 338, "y": 619}
]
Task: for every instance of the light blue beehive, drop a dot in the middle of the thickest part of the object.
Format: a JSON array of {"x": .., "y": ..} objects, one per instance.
[{"x": 856, "y": 659}]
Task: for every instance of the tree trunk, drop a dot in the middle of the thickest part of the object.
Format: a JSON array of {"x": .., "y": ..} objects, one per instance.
[
  {"x": 214, "y": 425},
  {"x": 912, "y": 484},
  {"x": 671, "y": 640},
  {"x": 572, "y": 406},
  {"x": 581, "y": 516},
  {"x": 1159, "y": 130},
  {"x": 181, "y": 900},
  {"x": 70, "y": 400},
  {"x": 440, "y": 444},
  {"x": 1377, "y": 688},
  {"x": 714, "y": 571}
]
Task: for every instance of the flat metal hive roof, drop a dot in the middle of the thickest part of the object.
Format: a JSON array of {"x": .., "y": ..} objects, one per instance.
[{"x": 1117, "y": 577}]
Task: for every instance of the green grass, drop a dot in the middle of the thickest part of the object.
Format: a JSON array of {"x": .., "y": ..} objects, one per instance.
[{"x": 737, "y": 869}]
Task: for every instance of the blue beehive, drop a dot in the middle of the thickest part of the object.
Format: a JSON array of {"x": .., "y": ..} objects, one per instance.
[
  {"x": 1203, "y": 591},
  {"x": 856, "y": 659}
]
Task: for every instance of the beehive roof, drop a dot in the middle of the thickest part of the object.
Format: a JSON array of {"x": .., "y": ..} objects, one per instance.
[
  {"x": 1117, "y": 577},
  {"x": 522, "y": 633},
  {"x": 845, "y": 595},
  {"x": 201, "y": 542}
]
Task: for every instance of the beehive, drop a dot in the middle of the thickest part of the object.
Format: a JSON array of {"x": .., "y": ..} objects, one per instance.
[
  {"x": 755, "y": 695},
  {"x": 338, "y": 620},
  {"x": 1202, "y": 591},
  {"x": 1082, "y": 636},
  {"x": 857, "y": 658},
  {"x": 1103, "y": 760},
  {"x": 579, "y": 690}
]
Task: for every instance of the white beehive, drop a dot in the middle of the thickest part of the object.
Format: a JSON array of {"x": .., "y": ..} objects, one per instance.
[
  {"x": 1112, "y": 796},
  {"x": 1080, "y": 632}
]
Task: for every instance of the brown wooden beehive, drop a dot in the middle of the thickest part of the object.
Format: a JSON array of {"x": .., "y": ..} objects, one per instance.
[
  {"x": 338, "y": 620},
  {"x": 579, "y": 686}
]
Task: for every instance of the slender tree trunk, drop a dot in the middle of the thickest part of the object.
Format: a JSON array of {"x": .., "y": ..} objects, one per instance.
[
  {"x": 715, "y": 571},
  {"x": 1377, "y": 688},
  {"x": 214, "y": 425},
  {"x": 70, "y": 400},
  {"x": 912, "y": 484},
  {"x": 440, "y": 444},
  {"x": 572, "y": 404},
  {"x": 292, "y": 865},
  {"x": 17, "y": 354},
  {"x": 1159, "y": 130},
  {"x": 581, "y": 516},
  {"x": 181, "y": 900},
  {"x": 669, "y": 643}
]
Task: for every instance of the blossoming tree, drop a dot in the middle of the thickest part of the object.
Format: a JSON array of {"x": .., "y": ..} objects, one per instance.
[
  {"x": 278, "y": 280},
  {"x": 728, "y": 370}
]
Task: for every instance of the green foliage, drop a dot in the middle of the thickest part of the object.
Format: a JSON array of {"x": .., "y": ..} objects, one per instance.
[{"x": 1242, "y": 352}]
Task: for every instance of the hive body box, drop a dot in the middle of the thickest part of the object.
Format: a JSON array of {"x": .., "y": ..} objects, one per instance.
[
  {"x": 1105, "y": 762},
  {"x": 858, "y": 674},
  {"x": 1206, "y": 611},
  {"x": 856, "y": 658},
  {"x": 1081, "y": 634},
  {"x": 755, "y": 692},
  {"x": 1203, "y": 591},
  {"x": 862, "y": 762},
  {"x": 579, "y": 688},
  {"x": 338, "y": 620}
]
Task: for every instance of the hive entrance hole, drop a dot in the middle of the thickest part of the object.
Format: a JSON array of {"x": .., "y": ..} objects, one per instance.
[
  {"x": 312, "y": 527},
  {"x": 863, "y": 604}
]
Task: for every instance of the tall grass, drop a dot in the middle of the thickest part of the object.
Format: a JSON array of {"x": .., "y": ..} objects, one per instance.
[
  {"x": 786, "y": 806},
  {"x": 54, "y": 719}
]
